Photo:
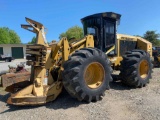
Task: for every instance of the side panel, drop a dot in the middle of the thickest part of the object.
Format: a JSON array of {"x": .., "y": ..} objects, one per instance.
[
  {"x": 127, "y": 45},
  {"x": 144, "y": 45}
]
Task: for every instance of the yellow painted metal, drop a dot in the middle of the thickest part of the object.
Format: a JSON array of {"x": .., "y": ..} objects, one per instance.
[
  {"x": 126, "y": 37},
  {"x": 48, "y": 58},
  {"x": 25, "y": 96},
  {"x": 112, "y": 48},
  {"x": 54, "y": 90},
  {"x": 142, "y": 44},
  {"x": 66, "y": 49},
  {"x": 38, "y": 87},
  {"x": 23, "y": 92},
  {"x": 44, "y": 87},
  {"x": 37, "y": 28},
  {"x": 143, "y": 68},
  {"x": 75, "y": 44},
  {"x": 116, "y": 60},
  {"x": 94, "y": 75},
  {"x": 28, "y": 100},
  {"x": 56, "y": 49},
  {"x": 89, "y": 41}
]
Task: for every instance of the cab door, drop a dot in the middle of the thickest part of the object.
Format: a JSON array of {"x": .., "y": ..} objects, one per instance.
[{"x": 109, "y": 34}]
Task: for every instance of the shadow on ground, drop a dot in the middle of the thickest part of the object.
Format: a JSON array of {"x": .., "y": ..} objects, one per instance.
[
  {"x": 11, "y": 108},
  {"x": 64, "y": 100},
  {"x": 4, "y": 97},
  {"x": 117, "y": 84}
]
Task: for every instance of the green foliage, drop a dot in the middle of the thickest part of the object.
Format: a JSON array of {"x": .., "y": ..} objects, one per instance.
[
  {"x": 153, "y": 37},
  {"x": 33, "y": 41},
  {"x": 75, "y": 32},
  {"x": 4, "y": 36},
  {"x": 8, "y": 36},
  {"x": 14, "y": 38},
  {"x": 137, "y": 35}
]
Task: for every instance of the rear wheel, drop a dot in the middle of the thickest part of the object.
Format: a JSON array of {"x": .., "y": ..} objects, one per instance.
[
  {"x": 136, "y": 68},
  {"x": 87, "y": 74}
]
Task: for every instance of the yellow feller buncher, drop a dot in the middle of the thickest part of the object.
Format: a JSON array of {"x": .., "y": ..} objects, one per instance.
[{"x": 82, "y": 67}]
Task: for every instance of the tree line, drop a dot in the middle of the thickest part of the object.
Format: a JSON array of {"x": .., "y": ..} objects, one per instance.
[
  {"x": 77, "y": 32},
  {"x": 8, "y": 36}
]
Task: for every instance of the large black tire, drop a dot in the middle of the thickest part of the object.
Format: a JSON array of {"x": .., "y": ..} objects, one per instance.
[
  {"x": 75, "y": 74},
  {"x": 136, "y": 68}
]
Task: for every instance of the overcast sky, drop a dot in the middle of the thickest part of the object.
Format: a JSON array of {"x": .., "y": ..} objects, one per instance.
[{"x": 138, "y": 16}]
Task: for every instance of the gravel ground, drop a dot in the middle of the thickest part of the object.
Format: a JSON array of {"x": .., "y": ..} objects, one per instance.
[{"x": 119, "y": 103}]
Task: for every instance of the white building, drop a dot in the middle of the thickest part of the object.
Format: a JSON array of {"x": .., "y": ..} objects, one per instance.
[{"x": 17, "y": 51}]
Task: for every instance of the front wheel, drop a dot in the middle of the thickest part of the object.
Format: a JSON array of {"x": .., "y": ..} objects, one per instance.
[
  {"x": 136, "y": 68},
  {"x": 87, "y": 74}
]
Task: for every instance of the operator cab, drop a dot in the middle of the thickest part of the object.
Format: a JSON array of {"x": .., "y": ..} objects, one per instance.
[{"x": 103, "y": 27}]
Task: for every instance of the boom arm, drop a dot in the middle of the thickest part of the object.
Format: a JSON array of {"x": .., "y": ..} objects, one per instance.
[{"x": 37, "y": 28}]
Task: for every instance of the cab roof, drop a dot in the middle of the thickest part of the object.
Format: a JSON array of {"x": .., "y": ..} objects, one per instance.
[{"x": 111, "y": 15}]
